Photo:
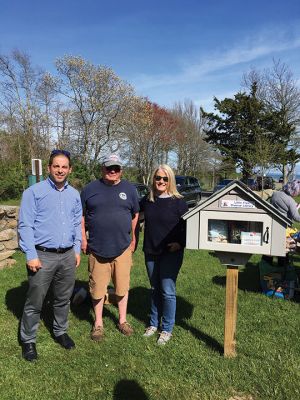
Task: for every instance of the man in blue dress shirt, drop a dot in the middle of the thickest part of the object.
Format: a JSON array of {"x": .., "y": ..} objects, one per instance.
[{"x": 50, "y": 236}]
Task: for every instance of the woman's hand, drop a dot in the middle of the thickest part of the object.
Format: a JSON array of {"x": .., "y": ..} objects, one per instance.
[{"x": 174, "y": 246}]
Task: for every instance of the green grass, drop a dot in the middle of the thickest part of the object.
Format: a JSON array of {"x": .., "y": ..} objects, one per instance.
[
  {"x": 191, "y": 366},
  {"x": 11, "y": 202}
]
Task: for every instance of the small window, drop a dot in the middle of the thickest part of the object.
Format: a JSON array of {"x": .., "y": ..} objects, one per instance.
[{"x": 239, "y": 232}]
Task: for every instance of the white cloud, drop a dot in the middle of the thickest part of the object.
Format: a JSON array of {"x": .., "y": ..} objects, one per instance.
[{"x": 265, "y": 44}]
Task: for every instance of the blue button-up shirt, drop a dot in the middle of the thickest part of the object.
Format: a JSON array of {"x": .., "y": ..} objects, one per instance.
[{"x": 49, "y": 217}]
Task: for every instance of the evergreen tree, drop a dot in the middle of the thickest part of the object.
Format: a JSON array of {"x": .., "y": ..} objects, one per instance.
[{"x": 245, "y": 130}]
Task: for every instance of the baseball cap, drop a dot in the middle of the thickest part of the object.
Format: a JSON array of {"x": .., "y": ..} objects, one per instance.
[{"x": 112, "y": 159}]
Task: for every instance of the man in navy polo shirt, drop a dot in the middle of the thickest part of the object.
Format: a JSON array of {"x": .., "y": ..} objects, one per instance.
[
  {"x": 110, "y": 208},
  {"x": 50, "y": 236}
]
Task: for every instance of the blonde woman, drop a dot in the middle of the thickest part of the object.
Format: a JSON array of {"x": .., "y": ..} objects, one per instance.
[{"x": 164, "y": 242}]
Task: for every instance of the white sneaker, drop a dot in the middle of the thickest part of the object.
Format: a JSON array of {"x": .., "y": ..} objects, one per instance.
[
  {"x": 150, "y": 331},
  {"x": 164, "y": 337}
]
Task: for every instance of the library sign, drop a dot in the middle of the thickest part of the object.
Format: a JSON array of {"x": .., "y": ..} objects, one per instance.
[{"x": 237, "y": 204}]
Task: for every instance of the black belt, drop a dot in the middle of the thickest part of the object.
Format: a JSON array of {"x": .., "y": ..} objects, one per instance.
[{"x": 51, "y": 250}]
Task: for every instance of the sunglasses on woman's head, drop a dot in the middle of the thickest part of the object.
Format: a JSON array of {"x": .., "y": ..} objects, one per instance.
[{"x": 159, "y": 178}]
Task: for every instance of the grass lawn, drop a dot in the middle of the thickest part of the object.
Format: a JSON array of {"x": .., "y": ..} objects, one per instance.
[
  {"x": 191, "y": 366},
  {"x": 11, "y": 202}
]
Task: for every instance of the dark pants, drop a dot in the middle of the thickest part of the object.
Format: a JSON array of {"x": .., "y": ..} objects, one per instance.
[
  {"x": 162, "y": 271},
  {"x": 56, "y": 268}
]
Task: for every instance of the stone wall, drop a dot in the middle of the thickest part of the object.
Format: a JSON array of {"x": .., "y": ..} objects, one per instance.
[{"x": 8, "y": 235}]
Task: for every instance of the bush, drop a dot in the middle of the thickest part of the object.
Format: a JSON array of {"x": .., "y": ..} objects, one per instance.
[{"x": 12, "y": 182}]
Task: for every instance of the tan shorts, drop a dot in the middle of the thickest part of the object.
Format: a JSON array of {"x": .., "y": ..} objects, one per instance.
[{"x": 103, "y": 270}]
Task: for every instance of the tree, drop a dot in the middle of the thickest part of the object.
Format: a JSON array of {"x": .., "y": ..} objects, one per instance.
[
  {"x": 279, "y": 91},
  {"x": 47, "y": 101},
  {"x": 163, "y": 126},
  {"x": 193, "y": 152},
  {"x": 101, "y": 104},
  {"x": 12, "y": 180},
  {"x": 21, "y": 108},
  {"x": 149, "y": 137},
  {"x": 263, "y": 157},
  {"x": 239, "y": 126}
]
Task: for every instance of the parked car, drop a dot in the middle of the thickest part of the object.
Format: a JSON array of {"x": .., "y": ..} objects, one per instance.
[
  {"x": 142, "y": 190},
  {"x": 250, "y": 182},
  {"x": 222, "y": 184},
  {"x": 189, "y": 188},
  {"x": 267, "y": 181}
]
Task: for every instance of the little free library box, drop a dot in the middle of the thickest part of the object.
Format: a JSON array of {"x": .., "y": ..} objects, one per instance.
[{"x": 235, "y": 223}]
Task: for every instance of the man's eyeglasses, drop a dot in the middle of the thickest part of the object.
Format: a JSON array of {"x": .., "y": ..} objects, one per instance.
[
  {"x": 159, "y": 178},
  {"x": 115, "y": 168},
  {"x": 59, "y": 152}
]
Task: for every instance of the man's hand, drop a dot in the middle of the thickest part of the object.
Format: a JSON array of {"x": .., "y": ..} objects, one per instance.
[
  {"x": 34, "y": 265},
  {"x": 77, "y": 260},
  {"x": 84, "y": 238},
  {"x": 84, "y": 245},
  {"x": 134, "y": 222},
  {"x": 133, "y": 244},
  {"x": 174, "y": 246}
]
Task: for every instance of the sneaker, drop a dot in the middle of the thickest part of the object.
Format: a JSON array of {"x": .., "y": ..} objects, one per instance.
[
  {"x": 125, "y": 328},
  {"x": 97, "y": 333},
  {"x": 164, "y": 337},
  {"x": 150, "y": 331}
]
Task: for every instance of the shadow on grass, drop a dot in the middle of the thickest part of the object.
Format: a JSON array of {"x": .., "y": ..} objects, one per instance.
[
  {"x": 83, "y": 311},
  {"x": 248, "y": 278},
  {"x": 15, "y": 300},
  {"x": 139, "y": 306},
  {"x": 129, "y": 389}
]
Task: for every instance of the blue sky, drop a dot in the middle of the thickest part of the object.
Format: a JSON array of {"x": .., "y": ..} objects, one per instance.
[{"x": 168, "y": 50}]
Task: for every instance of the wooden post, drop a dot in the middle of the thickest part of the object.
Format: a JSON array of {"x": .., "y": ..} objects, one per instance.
[
  {"x": 231, "y": 310},
  {"x": 37, "y": 170}
]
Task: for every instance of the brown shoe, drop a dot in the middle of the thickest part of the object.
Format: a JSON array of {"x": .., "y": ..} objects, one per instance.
[
  {"x": 125, "y": 328},
  {"x": 97, "y": 333}
]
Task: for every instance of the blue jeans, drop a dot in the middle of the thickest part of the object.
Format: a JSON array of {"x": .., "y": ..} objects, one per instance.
[{"x": 162, "y": 271}]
